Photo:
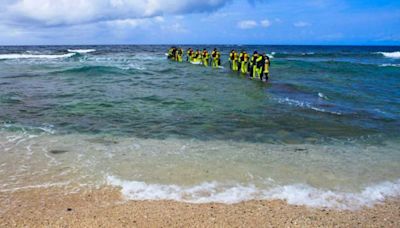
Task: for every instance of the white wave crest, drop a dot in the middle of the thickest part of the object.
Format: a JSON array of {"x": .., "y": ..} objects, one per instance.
[
  {"x": 31, "y": 56},
  {"x": 389, "y": 65},
  {"x": 297, "y": 194},
  {"x": 304, "y": 104},
  {"x": 395, "y": 54},
  {"x": 323, "y": 96},
  {"x": 81, "y": 51}
]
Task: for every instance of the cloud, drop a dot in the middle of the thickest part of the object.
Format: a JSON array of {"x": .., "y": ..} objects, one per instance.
[
  {"x": 247, "y": 24},
  {"x": 175, "y": 27},
  {"x": 69, "y": 12},
  {"x": 265, "y": 23},
  {"x": 301, "y": 24}
]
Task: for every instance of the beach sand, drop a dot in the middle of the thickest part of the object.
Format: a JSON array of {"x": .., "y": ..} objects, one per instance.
[{"x": 52, "y": 207}]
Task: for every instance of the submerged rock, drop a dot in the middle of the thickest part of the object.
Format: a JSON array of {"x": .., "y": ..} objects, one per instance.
[{"x": 58, "y": 151}]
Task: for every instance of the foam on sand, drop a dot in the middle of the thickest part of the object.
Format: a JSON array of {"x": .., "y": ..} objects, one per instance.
[{"x": 297, "y": 194}]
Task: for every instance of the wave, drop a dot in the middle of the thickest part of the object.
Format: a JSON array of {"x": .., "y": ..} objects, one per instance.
[
  {"x": 81, "y": 51},
  {"x": 35, "y": 56},
  {"x": 46, "y": 128},
  {"x": 395, "y": 54},
  {"x": 319, "y": 54},
  {"x": 304, "y": 104},
  {"x": 389, "y": 65},
  {"x": 297, "y": 194},
  {"x": 131, "y": 69}
]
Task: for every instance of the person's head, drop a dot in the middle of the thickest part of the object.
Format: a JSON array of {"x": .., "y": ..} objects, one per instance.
[
  {"x": 255, "y": 53},
  {"x": 215, "y": 49},
  {"x": 204, "y": 49}
]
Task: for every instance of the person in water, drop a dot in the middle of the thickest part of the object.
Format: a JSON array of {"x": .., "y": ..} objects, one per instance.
[
  {"x": 266, "y": 67},
  {"x": 205, "y": 57},
  {"x": 243, "y": 62},
  {"x": 233, "y": 58},
  {"x": 216, "y": 58},
  {"x": 197, "y": 56},
  {"x": 170, "y": 50},
  {"x": 189, "y": 53},
  {"x": 252, "y": 64},
  {"x": 179, "y": 55},
  {"x": 259, "y": 67}
]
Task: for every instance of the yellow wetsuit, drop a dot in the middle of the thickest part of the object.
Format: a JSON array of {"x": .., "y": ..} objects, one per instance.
[
  {"x": 244, "y": 59},
  {"x": 179, "y": 55},
  {"x": 215, "y": 59},
  {"x": 233, "y": 57},
  {"x": 258, "y": 68},
  {"x": 206, "y": 58}
]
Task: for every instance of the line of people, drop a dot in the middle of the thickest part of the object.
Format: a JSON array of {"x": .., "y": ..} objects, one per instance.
[
  {"x": 196, "y": 57},
  {"x": 256, "y": 66}
]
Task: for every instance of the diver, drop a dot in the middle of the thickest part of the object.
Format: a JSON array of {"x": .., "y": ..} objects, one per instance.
[
  {"x": 267, "y": 64},
  {"x": 205, "y": 57},
  {"x": 216, "y": 58},
  {"x": 179, "y": 55},
  {"x": 189, "y": 52},
  {"x": 233, "y": 57},
  {"x": 259, "y": 66},
  {"x": 169, "y": 56},
  {"x": 243, "y": 62},
  {"x": 173, "y": 57},
  {"x": 252, "y": 64},
  {"x": 197, "y": 56},
  {"x": 192, "y": 55}
]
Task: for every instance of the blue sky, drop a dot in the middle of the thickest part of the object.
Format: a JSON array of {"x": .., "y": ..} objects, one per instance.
[{"x": 200, "y": 22}]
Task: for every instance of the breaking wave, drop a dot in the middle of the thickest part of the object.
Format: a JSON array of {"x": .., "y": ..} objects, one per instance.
[
  {"x": 81, "y": 51},
  {"x": 304, "y": 104},
  {"x": 35, "y": 56},
  {"x": 395, "y": 54},
  {"x": 297, "y": 194}
]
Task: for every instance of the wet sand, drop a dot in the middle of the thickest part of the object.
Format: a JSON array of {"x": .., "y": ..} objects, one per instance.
[{"x": 105, "y": 207}]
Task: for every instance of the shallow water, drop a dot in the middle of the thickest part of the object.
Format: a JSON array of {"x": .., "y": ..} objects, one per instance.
[{"x": 322, "y": 132}]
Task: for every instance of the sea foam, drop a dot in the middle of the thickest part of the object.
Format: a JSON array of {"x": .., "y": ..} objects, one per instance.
[
  {"x": 31, "y": 56},
  {"x": 81, "y": 51},
  {"x": 395, "y": 54},
  {"x": 296, "y": 194}
]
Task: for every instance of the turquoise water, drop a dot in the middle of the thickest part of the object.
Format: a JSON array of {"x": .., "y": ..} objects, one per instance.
[{"x": 325, "y": 125}]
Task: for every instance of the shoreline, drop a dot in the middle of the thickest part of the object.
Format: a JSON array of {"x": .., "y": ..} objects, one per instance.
[{"x": 44, "y": 207}]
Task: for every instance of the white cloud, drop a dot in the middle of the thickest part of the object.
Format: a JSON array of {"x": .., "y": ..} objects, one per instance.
[
  {"x": 159, "y": 19},
  {"x": 247, "y": 24},
  {"x": 176, "y": 28},
  {"x": 265, "y": 23},
  {"x": 301, "y": 24},
  {"x": 61, "y": 12}
]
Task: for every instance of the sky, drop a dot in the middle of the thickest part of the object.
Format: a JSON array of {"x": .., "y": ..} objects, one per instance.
[{"x": 322, "y": 22}]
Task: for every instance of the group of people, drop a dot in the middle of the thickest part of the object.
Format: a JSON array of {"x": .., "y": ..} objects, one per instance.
[
  {"x": 196, "y": 57},
  {"x": 255, "y": 66}
]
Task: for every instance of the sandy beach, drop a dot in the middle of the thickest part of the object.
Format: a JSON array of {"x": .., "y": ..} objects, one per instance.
[{"x": 105, "y": 207}]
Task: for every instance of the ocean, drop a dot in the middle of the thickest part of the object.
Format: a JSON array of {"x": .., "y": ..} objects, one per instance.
[{"x": 323, "y": 132}]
